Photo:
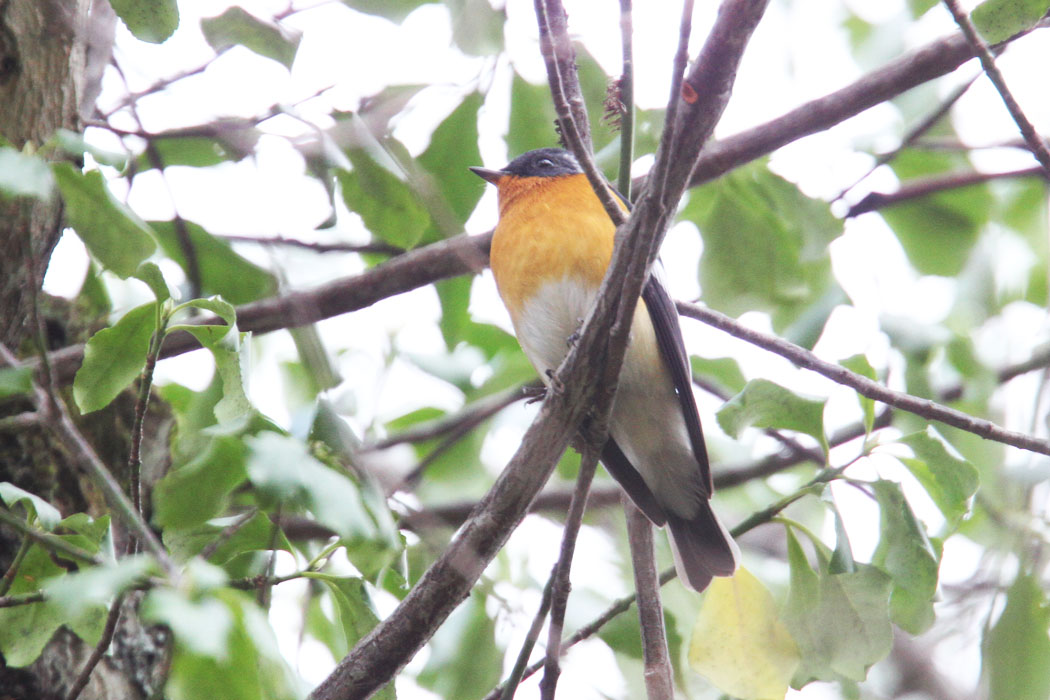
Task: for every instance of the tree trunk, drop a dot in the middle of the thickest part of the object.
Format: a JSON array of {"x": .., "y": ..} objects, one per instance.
[{"x": 52, "y": 53}]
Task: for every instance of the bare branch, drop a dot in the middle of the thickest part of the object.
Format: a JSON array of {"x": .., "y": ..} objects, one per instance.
[
  {"x": 923, "y": 187},
  {"x": 560, "y": 586},
  {"x": 657, "y": 660},
  {"x": 1031, "y": 136},
  {"x": 374, "y": 248},
  {"x": 873, "y": 390},
  {"x": 84, "y": 676},
  {"x": 931, "y": 61}
]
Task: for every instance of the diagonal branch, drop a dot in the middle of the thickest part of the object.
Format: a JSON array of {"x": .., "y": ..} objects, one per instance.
[
  {"x": 1031, "y": 136},
  {"x": 922, "y": 65},
  {"x": 388, "y": 647},
  {"x": 873, "y": 390}
]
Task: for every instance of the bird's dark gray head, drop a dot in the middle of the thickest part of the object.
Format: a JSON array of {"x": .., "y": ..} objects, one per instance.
[{"x": 543, "y": 162}]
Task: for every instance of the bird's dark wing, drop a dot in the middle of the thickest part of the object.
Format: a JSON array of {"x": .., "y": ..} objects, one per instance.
[
  {"x": 621, "y": 469},
  {"x": 664, "y": 316}
]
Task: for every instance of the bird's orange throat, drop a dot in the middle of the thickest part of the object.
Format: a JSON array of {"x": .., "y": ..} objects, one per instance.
[{"x": 550, "y": 228}]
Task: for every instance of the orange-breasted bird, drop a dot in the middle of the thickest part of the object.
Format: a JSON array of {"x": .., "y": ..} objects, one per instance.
[{"x": 550, "y": 250}]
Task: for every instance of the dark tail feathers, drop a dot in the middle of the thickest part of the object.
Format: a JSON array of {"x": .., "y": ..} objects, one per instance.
[{"x": 702, "y": 547}]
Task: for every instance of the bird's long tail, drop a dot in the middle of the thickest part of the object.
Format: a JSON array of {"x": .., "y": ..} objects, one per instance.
[{"x": 702, "y": 547}]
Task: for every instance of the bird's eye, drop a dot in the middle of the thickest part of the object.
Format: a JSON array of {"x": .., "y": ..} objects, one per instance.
[{"x": 545, "y": 163}]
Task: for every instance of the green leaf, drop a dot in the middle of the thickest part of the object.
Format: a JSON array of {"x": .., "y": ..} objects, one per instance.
[
  {"x": 950, "y": 480},
  {"x": 281, "y": 470},
  {"x": 393, "y": 10},
  {"x": 998, "y": 20},
  {"x": 150, "y": 273},
  {"x": 15, "y": 381},
  {"x": 26, "y": 629},
  {"x": 96, "y": 586},
  {"x": 268, "y": 39},
  {"x": 388, "y": 206},
  {"x": 222, "y": 271},
  {"x": 113, "y": 358},
  {"x": 905, "y": 553},
  {"x": 75, "y": 144},
  {"x": 200, "y": 626},
  {"x": 454, "y": 295},
  {"x": 859, "y": 365},
  {"x": 919, "y": 7},
  {"x": 723, "y": 370},
  {"x": 355, "y": 615},
  {"x": 454, "y": 148},
  {"x": 207, "y": 334},
  {"x": 465, "y": 660},
  {"x": 232, "y": 365},
  {"x": 43, "y": 512},
  {"x": 195, "y": 492},
  {"x": 532, "y": 117},
  {"x": 840, "y": 621},
  {"x": 23, "y": 175},
  {"x": 250, "y": 667},
  {"x": 938, "y": 231},
  {"x": 149, "y": 20},
  {"x": 763, "y": 404},
  {"x": 477, "y": 29},
  {"x": 113, "y": 234},
  {"x": 739, "y": 642},
  {"x": 256, "y": 534},
  {"x": 1017, "y": 648},
  {"x": 765, "y": 244}
]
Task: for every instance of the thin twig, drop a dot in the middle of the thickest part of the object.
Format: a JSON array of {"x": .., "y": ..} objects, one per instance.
[
  {"x": 514, "y": 679},
  {"x": 161, "y": 84},
  {"x": 914, "y": 68},
  {"x": 913, "y": 134},
  {"x": 568, "y": 101},
  {"x": 472, "y": 415},
  {"x": 81, "y": 452},
  {"x": 9, "y": 575},
  {"x": 873, "y": 390},
  {"x": 141, "y": 406},
  {"x": 656, "y": 658},
  {"x": 100, "y": 649},
  {"x": 13, "y": 601},
  {"x": 47, "y": 539},
  {"x": 624, "y": 604},
  {"x": 625, "y": 98},
  {"x": 373, "y": 248},
  {"x": 228, "y": 532},
  {"x": 1031, "y": 136},
  {"x": 561, "y": 587},
  {"x": 924, "y": 187}
]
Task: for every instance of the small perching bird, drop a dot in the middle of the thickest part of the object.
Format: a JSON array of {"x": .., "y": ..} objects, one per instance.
[{"x": 550, "y": 251}]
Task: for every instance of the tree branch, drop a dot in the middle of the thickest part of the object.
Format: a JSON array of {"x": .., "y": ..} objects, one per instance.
[
  {"x": 926, "y": 63},
  {"x": 873, "y": 390},
  {"x": 923, "y": 187},
  {"x": 657, "y": 660},
  {"x": 560, "y": 586},
  {"x": 1031, "y": 136}
]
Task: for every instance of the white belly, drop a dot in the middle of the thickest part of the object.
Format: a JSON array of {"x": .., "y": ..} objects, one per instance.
[{"x": 646, "y": 419}]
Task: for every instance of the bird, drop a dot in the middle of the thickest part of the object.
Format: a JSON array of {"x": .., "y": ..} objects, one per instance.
[{"x": 550, "y": 249}]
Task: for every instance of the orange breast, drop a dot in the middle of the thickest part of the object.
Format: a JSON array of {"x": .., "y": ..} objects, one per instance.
[{"x": 549, "y": 228}]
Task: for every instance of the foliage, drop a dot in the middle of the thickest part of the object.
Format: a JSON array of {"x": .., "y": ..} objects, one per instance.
[{"x": 320, "y": 481}]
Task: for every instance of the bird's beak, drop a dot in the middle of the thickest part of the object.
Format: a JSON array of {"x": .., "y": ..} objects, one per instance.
[{"x": 492, "y": 176}]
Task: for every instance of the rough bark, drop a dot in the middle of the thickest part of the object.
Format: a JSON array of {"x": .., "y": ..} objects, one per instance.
[{"x": 51, "y": 56}]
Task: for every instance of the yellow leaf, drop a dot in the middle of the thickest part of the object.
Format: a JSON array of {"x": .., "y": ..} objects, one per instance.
[{"x": 739, "y": 644}]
